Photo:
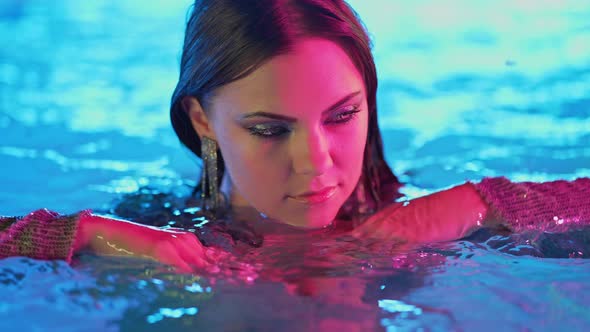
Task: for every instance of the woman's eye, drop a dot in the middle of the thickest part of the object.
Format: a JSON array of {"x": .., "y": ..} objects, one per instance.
[
  {"x": 278, "y": 131},
  {"x": 345, "y": 116},
  {"x": 268, "y": 131}
]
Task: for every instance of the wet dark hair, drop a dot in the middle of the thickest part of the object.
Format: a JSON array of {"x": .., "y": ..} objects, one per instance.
[{"x": 226, "y": 40}]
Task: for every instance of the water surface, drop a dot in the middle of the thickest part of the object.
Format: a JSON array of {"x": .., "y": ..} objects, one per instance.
[{"x": 467, "y": 89}]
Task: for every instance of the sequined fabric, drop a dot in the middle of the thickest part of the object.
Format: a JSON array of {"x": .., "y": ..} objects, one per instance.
[
  {"x": 551, "y": 206},
  {"x": 42, "y": 234}
]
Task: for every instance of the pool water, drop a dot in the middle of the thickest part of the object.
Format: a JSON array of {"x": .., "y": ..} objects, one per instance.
[{"x": 467, "y": 89}]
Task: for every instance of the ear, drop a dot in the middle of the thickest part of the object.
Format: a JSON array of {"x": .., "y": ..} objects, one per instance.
[{"x": 199, "y": 119}]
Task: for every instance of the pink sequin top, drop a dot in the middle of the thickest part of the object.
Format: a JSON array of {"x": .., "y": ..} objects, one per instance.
[
  {"x": 550, "y": 206},
  {"x": 42, "y": 234}
]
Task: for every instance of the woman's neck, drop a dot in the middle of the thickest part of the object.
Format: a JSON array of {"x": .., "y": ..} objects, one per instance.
[{"x": 234, "y": 198}]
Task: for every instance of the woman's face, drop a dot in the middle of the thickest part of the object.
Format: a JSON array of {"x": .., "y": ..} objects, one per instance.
[{"x": 292, "y": 133}]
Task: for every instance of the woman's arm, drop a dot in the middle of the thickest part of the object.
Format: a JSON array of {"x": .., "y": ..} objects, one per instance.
[
  {"x": 108, "y": 236},
  {"x": 455, "y": 213},
  {"x": 443, "y": 216},
  {"x": 45, "y": 234}
]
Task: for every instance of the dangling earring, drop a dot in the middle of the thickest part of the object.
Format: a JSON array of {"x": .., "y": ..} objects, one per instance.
[{"x": 209, "y": 183}]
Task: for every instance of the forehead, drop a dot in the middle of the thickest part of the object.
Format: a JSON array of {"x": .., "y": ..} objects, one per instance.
[{"x": 315, "y": 74}]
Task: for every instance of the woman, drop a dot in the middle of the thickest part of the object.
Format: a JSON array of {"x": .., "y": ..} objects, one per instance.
[{"x": 278, "y": 98}]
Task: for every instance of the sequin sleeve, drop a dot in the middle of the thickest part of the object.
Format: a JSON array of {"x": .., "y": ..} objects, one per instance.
[
  {"x": 551, "y": 206},
  {"x": 42, "y": 234}
]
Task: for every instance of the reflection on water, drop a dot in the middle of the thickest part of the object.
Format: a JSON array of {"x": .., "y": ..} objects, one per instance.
[
  {"x": 467, "y": 89},
  {"x": 436, "y": 286}
]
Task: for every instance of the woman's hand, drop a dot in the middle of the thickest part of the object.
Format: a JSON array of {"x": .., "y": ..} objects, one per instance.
[
  {"x": 171, "y": 246},
  {"x": 443, "y": 216},
  {"x": 183, "y": 250}
]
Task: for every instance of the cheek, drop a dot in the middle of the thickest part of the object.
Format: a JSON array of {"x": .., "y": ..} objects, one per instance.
[
  {"x": 349, "y": 146},
  {"x": 254, "y": 167}
]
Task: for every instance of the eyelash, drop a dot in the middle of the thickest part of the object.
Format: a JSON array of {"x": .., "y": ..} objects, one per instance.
[{"x": 271, "y": 132}]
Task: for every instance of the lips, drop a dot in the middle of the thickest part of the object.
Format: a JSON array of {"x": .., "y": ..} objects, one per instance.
[{"x": 315, "y": 197}]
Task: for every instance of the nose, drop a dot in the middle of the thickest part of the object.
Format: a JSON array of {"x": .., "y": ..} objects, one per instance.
[{"x": 311, "y": 153}]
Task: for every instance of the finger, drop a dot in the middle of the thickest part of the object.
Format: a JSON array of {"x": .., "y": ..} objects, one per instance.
[
  {"x": 192, "y": 251},
  {"x": 168, "y": 254},
  {"x": 215, "y": 255}
]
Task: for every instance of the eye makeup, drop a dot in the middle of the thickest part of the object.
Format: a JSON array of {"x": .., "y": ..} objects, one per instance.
[
  {"x": 269, "y": 130},
  {"x": 345, "y": 116},
  {"x": 274, "y": 130}
]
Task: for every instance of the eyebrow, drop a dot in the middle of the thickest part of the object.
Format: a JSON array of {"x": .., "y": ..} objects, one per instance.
[{"x": 290, "y": 119}]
